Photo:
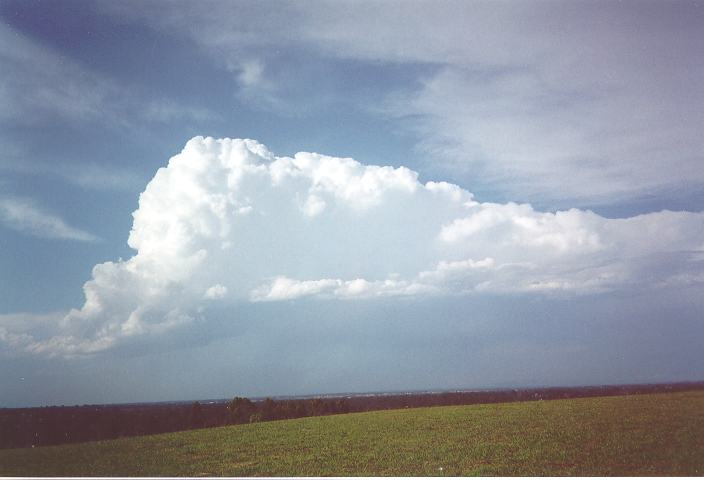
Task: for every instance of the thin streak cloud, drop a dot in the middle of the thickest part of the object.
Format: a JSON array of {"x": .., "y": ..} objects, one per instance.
[{"x": 24, "y": 216}]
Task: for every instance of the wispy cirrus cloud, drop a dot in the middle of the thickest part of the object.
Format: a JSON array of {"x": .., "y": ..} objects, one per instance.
[
  {"x": 557, "y": 103},
  {"x": 91, "y": 176},
  {"x": 39, "y": 85},
  {"x": 25, "y": 216}
]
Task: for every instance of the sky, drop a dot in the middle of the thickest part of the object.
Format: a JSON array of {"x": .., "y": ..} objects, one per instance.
[{"x": 209, "y": 199}]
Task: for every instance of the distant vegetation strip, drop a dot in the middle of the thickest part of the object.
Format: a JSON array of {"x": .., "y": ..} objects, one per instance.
[
  {"x": 659, "y": 434},
  {"x": 34, "y": 427}
]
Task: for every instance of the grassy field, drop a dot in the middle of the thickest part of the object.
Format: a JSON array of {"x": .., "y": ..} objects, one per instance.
[{"x": 659, "y": 434}]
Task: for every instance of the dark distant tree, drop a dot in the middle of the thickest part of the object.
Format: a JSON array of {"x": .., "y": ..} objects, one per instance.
[
  {"x": 300, "y": 409},
  {"x": 269, "y": 409},
  {"x": 150, "y": 423},
  {"x": 342, "y": 406},
  {"x": 317, "y": 407},
  {"x": 241, "y": 409},
  {"x": 114, "y": 423},
  {"x": 196, "y": 416}
]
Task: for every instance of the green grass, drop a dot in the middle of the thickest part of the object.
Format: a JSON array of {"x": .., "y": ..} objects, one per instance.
[{"x": 659, "y": 434}]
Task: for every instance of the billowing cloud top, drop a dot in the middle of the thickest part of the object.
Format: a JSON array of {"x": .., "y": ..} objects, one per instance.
[{"x": 229, "y": 222}]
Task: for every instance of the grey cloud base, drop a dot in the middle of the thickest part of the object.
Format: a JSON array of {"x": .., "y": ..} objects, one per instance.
[{"x": 228, "y": 223}]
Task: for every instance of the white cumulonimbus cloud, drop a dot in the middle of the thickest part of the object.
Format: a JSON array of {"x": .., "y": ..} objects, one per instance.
[{"x": 229, "y": 222}]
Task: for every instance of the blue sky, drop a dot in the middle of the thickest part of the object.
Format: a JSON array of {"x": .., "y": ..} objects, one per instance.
[{"x": 566, "y": 247}]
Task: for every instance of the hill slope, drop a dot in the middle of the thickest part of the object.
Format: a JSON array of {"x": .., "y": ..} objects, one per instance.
[{"x": 631, "y": 435}]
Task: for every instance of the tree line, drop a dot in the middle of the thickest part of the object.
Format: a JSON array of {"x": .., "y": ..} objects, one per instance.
[{"x": 34, "y": 427}]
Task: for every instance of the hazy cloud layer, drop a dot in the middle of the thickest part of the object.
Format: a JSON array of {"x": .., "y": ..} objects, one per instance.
[
  {"x": 39, "y": 85},
  {"x": 227, "y": 222},
  {"x": 544, "y": 101}
]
